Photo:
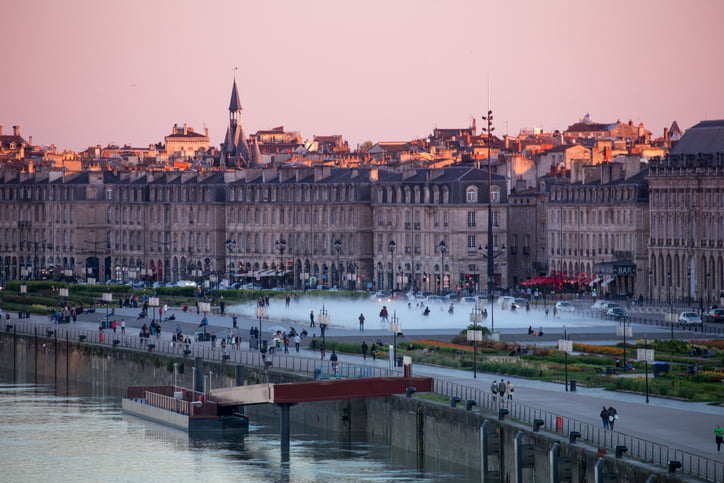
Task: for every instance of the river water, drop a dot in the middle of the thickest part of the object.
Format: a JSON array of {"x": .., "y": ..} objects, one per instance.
[{"x": 53, "y": 433}]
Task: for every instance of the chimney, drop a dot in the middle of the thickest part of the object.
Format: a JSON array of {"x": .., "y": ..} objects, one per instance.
[
  {"x": 206, "y": 131},
  {"x": 666, "y": 133},
  {"x": 16, "y": 130},
  {"x": 30, "y": 141},
  {"x": 1, "y": 130},
  {"x": 186, "y": 130},
  {"x": 175, "y": 129}
]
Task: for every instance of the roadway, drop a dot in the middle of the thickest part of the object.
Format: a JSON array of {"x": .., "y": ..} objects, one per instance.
[{"x": 678, "y": 424}]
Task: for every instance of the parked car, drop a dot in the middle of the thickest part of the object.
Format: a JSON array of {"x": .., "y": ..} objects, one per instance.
[
  {"x": 598, "y": 305},
  {"x": 185, "y": 283},
  {"x": 434, "y": 299},
  {"x": 714, "y": 315},
  {"x": 606, "y": 306},
  {"x": 506, "y": 301},
  {"x": 689, "y": 318},
  {"x": 519, "y": 303},
  {"x": 469, "y": 300},
  {"x": 617, "y": 313},
  {"x": 382, "y": 296},
  {"x": 565, "y": 306}
]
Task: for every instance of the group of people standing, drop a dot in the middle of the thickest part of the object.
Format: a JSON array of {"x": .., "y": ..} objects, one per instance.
[
  {"x": 372, "y": 350},
  {"x": 608, "y": 417},
  {"x": 501, "y": 388}
]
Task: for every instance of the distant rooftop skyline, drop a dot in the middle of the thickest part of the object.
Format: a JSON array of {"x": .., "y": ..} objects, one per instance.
[{"x": 83, "y": 72}]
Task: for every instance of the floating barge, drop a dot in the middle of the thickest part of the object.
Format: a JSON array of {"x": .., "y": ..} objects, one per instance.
[{"x": 183, "y": 409}]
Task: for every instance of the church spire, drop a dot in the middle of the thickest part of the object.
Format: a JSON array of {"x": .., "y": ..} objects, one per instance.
[
  {"x": 235, "y": 146},
  {"x": 235, "y": 103}
]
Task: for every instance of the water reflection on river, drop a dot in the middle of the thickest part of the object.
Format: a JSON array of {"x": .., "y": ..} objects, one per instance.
[{"x": 66, "y": 433}]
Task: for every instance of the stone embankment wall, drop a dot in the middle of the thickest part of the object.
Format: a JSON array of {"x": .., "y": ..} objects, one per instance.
[{"x": 423, "y": 428}]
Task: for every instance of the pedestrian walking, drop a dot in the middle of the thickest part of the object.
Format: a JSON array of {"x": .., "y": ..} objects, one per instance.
[
  {"x": 114, "y": 325},
  {"x": 361, "y": 322},
  {"x": 364, "y": 350},
  {"x": 511, "y": 388},
  {"x": 322, "y": 347},
  {"x": 311, "y": 318},
  {"x": 333, "y": 360},
  {"x": 373, "y": 351},
  {"x": 494, "y": 387},
  {"x": 123, "y": 326},
  {"x": 604, "y": 417},
  {"x": 612, "y": 416},
  {"x": 297, "y": 342},
  {"x": 501, "y": 389},
  {"x": 234, "y": 321},
  {"x": 718, "y": 436}
]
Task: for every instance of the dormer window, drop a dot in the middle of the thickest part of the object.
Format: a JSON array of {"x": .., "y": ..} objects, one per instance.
[{"x": 471, "y": 194}]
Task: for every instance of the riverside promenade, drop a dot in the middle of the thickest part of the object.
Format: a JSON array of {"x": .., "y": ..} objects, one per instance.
[{"x": 657, "y": 431}]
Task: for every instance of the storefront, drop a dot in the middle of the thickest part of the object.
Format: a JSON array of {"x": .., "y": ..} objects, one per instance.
[{"x": 616, "y": 279}]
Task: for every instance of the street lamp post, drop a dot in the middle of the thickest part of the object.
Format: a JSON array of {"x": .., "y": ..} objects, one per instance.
[
  {"x": 476, "y": 317},
  {"x": 650, "y": 288},
  {"x": 646, "y": 366},
  {"x": 230, "y": 246},
  {"x": 624, "y": 344},
  {"x": 565, "y": 338},
  {"x": 281, "y": 245},
  {"x": 260, "y": 315},
  {"x": 706, "y": 288},
  {"x": 323, "y": 323},
  {"x": 391, "y": 247},
  {"x": 491, "y": 267},
  {"x": 442, "y": 246},
  {"x": 668, "y": 296},
  {"x": 476, "y": 284},
  {"x": 338, "y": 248},
  {"x": 395, "y": 328}
]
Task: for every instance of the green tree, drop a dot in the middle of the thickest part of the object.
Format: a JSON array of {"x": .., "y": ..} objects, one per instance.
[{"x": 365, "y": 146}]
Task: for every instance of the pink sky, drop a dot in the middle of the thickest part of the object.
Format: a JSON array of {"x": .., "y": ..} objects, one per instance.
[{"x": 84, "y": 72}]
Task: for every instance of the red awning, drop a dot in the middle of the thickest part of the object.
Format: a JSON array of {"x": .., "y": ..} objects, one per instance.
[{"x": 539, "y": 281}]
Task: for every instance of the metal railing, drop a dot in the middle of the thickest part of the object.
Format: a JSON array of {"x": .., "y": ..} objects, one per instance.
[
  {"x": 168, "y": 403},
  {"x": 638, "y": 448}
]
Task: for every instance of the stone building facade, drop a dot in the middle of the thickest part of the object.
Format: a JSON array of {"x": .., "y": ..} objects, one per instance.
[
  {"x": 300, "y": 227},
  {"x": 686, "y": 242},
  {"x": 597, "y": 230}
]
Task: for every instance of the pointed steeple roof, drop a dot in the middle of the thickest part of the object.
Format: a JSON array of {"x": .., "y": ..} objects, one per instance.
[
  {"x": 256, "y": 158},
  {"x": 235, "y": 103}
]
